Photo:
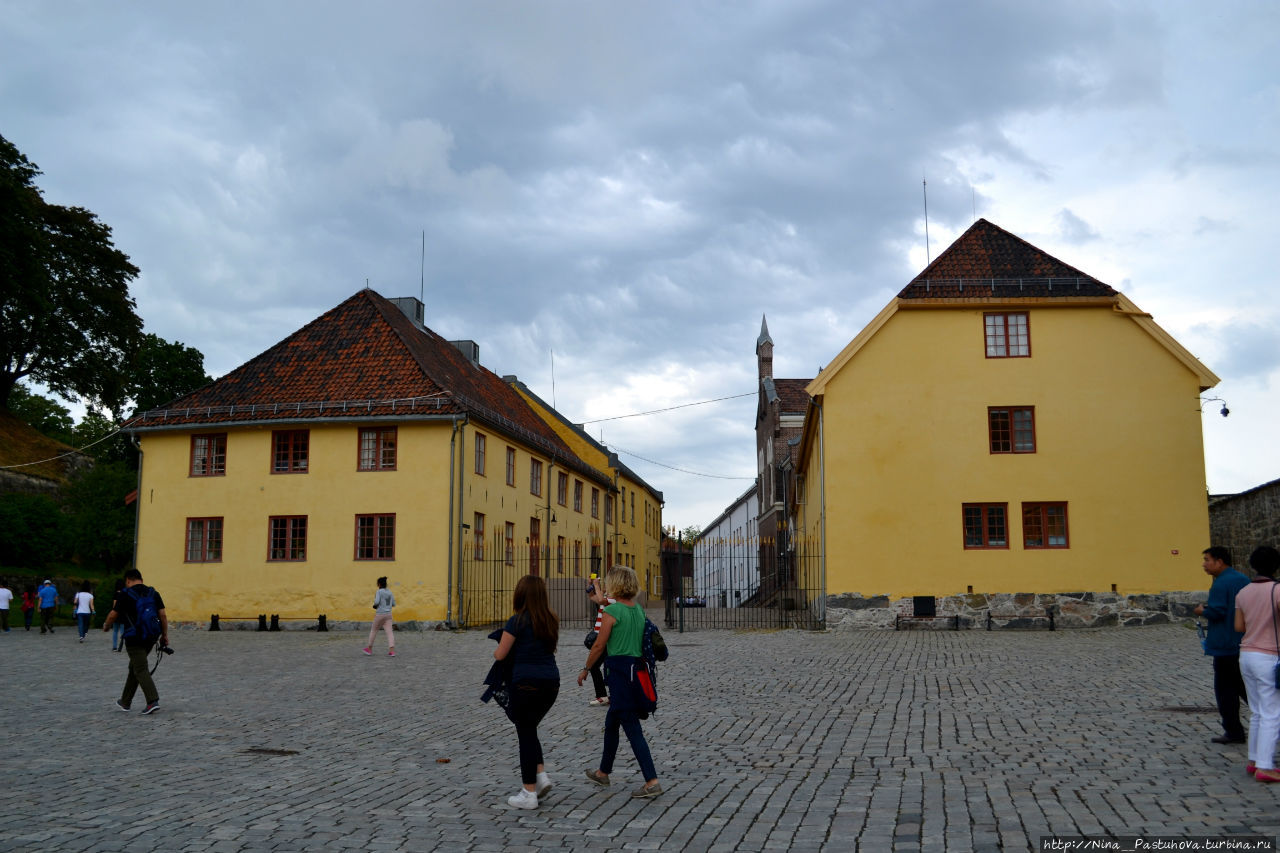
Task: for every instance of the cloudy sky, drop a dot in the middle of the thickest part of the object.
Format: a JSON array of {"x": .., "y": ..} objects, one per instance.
[{"x": 624, "y": 189}]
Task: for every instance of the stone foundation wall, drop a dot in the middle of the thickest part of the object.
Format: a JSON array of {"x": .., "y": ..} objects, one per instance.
[{"x": 1017, "y": 610}]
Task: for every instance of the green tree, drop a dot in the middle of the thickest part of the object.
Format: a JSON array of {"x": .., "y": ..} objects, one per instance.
[
  {"x": 46, "y": 416},
  {"x": 100, "y": 525},
  {"x": 66, "y": 317},
  {"x": 32, "y": 531},
  {"x": 160, "y": 371}
]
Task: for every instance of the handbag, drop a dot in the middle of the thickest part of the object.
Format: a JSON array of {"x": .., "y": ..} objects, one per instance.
[{"x": 590, "y": 639}]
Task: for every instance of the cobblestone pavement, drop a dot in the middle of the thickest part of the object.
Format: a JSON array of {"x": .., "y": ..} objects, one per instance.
[{"x": 295, "y": 741}]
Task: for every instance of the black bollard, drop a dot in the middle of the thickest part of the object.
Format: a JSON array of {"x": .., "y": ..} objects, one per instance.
[
  {"x": 275, "y": 621},
  {"x": 324, "y": 623},
  {"x": 213, "y": 623},
  {"x": 262, "y": 621}
]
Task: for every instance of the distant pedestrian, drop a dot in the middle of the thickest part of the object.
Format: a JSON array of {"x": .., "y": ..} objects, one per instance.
[
  {"x": 529, "y": 639},
  {"x": 28, "y": 605},
  {"x": 48, "y": 596},
  {"x": 116, "y": 643},
  {"x": 1258, "y": 617},
  {"x": 621, "y": 639},
  {"x": 598, "y": 595},
  {"x": 383, "y": 601},
  {"x": 141, "y": 609},
  {"x": 1222, "y": 642},
  {"x": 6, "y": 597},
  {"x": 84, "y": 608}
]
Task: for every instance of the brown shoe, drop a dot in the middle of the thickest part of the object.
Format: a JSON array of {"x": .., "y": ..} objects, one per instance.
[
  {"x": 646, "y": 791},
  {"x": 599, "y": 778}
]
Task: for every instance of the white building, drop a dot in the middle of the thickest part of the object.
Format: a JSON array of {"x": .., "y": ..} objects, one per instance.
[{"x": 726, "y": 556}]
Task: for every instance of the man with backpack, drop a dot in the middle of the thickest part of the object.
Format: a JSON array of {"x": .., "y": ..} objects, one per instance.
[{"x": 141, "y": 609}]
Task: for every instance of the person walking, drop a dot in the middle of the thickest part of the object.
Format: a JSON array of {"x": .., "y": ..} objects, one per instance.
[
  {"x": 383, "y": 601},
  {"x": 1222, "y": 641},
  {"x": 1258, "y": 618},
  {"x": 6, "y": 598},
  {"x": 28, "y": 605},
  {"x": 116, "y": 644},
  {"x": 48, "y": 595},
  {"x": 529, "y": 639},
  {"x": 142, "y": 610},
  {"x": 84, "y": 608},
  {"x": 596, "y": 592},
  {"x": 620, "y": 643}
]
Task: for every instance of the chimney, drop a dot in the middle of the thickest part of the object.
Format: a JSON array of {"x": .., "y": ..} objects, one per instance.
[
  {"x": 470, "y": 349},
  {"x": 412, "y": 308}
]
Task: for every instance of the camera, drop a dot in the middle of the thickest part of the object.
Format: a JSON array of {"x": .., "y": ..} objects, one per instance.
[{"x": 166, "y": 649}]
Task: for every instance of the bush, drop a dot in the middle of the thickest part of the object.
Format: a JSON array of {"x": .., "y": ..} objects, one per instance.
[{"x": 33, "y": 531}]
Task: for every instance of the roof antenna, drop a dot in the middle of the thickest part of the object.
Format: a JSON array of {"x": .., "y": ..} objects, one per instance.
[
  {"x": 927, "y": 257},
  {"x": 973, "y": 195},
  {"x": 553, "y": 378},
  {"x": 422, "y": 268}
]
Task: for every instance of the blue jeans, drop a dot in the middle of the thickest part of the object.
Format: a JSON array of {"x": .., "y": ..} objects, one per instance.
[
  {"x": 630, "y": 724},
  {"x": 82, "y": 621},
  {"x": 116, "y": 630}
]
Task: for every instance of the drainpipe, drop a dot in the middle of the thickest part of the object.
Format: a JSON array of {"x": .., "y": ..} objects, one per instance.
[
  {"x": 822, "y": 499},
  {"x": 453, "y": 440},
  {"x": 137, "y": 509}
]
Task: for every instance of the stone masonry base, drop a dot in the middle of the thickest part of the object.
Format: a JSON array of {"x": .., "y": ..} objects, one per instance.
[{"x": 1016, "y": 610}]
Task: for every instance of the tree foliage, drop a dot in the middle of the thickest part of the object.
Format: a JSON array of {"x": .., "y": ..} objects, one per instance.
[
  {"x": 32, "y": 531},
  {"x": 161, "y": 371},
  {"x": 100, "y": 525},
  {"x": 66, "y": 317},
  {"x": 45, "y": 416}
]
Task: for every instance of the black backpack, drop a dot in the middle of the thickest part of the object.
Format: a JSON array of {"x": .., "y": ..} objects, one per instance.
[{"x": 146, "y": 623}]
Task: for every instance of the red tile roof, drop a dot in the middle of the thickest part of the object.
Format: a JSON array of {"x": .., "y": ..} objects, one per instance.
[
  {"x": 359, "y": 361},
  {"x": 791, "y": 394},
  {"x": 987, "y": 261}
]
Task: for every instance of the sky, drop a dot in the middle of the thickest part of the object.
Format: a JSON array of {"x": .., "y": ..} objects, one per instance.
[{"x": 608, "y": 197}]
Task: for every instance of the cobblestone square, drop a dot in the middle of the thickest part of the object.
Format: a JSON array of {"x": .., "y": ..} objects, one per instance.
[{"x": 871, "y": 740}]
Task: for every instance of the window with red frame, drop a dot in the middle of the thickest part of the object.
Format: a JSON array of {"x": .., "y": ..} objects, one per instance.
[
  {"x": 378, "y": 449},
  {"x": 376, "y": 537},
  {"x": 535, "y": 544},
  {"x": 511, "y": 466},
  {"x": 289, "y": 451},
  {"x": 477, "y": 537},
  {"x": 577, "y": 495},
  {"x": 288, "y": 538},
  {"x": 1044, "y": 525},
  {"x": 204, "y": 540},
  {"x": 509, "y": 534},
  {"x": 595, "y": 502},
  {"x": 1008, "y": 335},
  {"x": 480, "y": 460},
  {"x": 535, "y": 477},
  {"x": 562, "y": 489},
  {"x": 1012, "y": 429},
  {"x": 209, "y": 455},
  {"x": 560, "y": 555},
  {"x": 986, "y": 525}
]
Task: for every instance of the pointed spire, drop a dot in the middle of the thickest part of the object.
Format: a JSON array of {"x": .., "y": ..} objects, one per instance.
[{"x": 764, "y": 333}]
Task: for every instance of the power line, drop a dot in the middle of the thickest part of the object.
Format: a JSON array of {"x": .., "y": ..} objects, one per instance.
[
  {"x": 674, "y": 468},
  {"x": 669, "y": 409},
  {"x": 60, "y": 455}
]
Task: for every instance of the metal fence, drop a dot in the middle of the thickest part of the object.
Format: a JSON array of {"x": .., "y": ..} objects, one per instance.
[
  {"x": 750, "y": 583},
  {"x": 764, "y": 586}
]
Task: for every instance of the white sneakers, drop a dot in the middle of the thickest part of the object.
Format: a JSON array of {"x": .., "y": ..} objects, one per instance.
[{"x": 523, "y": 800}]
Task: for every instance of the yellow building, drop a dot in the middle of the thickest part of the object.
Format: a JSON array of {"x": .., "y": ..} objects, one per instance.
[
  {"x": 1006, "y": 424},
  {"x": 362, "y": 445},
  {"x": 633, "y": 514}
]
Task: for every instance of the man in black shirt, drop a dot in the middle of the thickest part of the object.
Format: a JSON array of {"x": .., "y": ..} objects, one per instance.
[{"x": 139, "y": 637}]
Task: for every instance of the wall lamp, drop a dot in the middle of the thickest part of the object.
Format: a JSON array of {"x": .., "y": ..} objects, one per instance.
[{"x": 1224, "y": 412}]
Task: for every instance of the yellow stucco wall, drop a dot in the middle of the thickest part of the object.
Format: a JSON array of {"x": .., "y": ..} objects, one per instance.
[
  {"x": 1118, "y": 437},
  {"x": 330, "y": 581},
  {"x": 641, "y": 550}
]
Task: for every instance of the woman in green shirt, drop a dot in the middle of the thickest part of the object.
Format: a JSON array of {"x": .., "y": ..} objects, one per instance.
[{"x": 619, "y": 641}]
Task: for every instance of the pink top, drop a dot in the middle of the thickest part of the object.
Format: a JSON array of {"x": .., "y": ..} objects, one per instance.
[{"x": 1257, "y": 603}]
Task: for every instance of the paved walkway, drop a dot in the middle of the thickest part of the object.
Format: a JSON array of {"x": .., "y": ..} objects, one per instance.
[{"x": 295, "y": 741}]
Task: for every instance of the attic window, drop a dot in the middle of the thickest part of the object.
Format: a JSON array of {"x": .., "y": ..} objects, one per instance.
[{"x": 1007, "y": 335}]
